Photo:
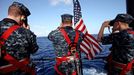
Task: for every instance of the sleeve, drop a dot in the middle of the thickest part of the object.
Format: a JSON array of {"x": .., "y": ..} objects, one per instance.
[
  {"x": 52, "y": 35},
  {"x": 107, "y": 40},
  {"x": 81, "y": 36},
  {"x": 33, "y": 47}
]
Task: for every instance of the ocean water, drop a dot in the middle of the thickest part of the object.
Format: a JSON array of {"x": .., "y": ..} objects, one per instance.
[{"x": 44, "y": 60}]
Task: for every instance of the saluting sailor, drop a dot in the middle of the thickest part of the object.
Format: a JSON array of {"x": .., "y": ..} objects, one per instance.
[
  {"x": 16, "y": 42},
  {"x": 121, "y": 59},
  {"x": 66, "y": 42}
]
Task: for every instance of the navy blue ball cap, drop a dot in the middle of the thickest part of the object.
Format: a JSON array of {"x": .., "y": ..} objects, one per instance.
[
  {"x": 24, "y": 9},
  {"x": 66, "y": 17},
  {"x": 126, "y": 18}
]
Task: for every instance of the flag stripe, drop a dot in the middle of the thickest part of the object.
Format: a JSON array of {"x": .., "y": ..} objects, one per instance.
[
  {"x": 92, "y": 50},
  {"x": 86, "y": 49},
  {"x": 83, "y": 50},
  {"x": 93, "y": 42},
  {"x": 84, "y": 27},
  {"x": 92, "y": 38},
  {"x": 79, "y": 24},
  {"x": 97, "y": 50},
  {"x": 89, "y": 45},
  {"x": 95, "y": 47}
]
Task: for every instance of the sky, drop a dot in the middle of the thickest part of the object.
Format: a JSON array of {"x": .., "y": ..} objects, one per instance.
[{"x": 46, "y": 14}]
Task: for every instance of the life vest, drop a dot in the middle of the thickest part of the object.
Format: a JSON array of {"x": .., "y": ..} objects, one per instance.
[
  {"x": 72, "y": 54},
  {"x": 14, "y": 64},
  {"x": 124, "y": 67}
]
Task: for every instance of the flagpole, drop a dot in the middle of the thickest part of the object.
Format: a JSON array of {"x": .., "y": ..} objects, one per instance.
[
  {"x": 80, "y": 61},
  {"x": 73, "y": 8}
]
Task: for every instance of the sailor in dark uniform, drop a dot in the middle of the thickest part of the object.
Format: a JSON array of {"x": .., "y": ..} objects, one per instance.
[
  {"x": 16, "y": 43},
  {"x": 66, "y": 42},
  {"x": 121, "y": 59}
]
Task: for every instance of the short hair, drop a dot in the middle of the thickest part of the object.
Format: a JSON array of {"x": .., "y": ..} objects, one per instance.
[{"x": 15, "y": 11}]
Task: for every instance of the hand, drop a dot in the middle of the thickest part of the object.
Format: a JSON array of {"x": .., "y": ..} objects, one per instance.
[
  {"x": 106, "y": 24},
  {"x": 26, "y": 26},
  {"x": 101, "y": 32}
]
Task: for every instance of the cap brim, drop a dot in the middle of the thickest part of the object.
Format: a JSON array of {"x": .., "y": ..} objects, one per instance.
[{"x": 111, "y": 23}]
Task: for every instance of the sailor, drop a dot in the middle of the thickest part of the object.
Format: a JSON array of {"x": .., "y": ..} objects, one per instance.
[
  {"x": 66, "y": 42},
  {"x": 121, "y": 58},
  {"x": 16, "y": 42}
]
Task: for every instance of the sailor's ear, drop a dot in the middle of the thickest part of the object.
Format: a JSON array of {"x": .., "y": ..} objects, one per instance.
[{"x": 23, "y": 17}]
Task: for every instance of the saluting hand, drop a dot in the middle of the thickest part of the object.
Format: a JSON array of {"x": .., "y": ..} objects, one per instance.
[{"x": 106, "y": 24}]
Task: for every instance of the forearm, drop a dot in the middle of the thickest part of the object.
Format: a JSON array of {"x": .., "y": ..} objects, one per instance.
[{"x": 101, "y": 32}]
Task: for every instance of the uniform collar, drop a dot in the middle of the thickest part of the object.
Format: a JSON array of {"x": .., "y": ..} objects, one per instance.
[
  {"x": 10, "y": 20},
  {"x": 68, "y": 27}
]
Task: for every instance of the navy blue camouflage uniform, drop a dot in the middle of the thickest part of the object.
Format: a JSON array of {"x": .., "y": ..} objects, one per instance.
[
  {"x": 61, "y": 46},
  {"x": 122, "y": 49},
  {"x": 20, "y": 44}
]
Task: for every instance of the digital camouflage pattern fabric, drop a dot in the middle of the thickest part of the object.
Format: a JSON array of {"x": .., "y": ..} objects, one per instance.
[
  {"x": 20, "y": 44},
  {"x": 122, "y": 50},
  {"x": 61, "y": 48}
]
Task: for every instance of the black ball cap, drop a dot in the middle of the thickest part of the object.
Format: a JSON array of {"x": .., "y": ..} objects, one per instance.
[
  {"x": 126, "y": 18},
  {"x": 66, "y": 17},
  {"x": 22, "y": 7}
]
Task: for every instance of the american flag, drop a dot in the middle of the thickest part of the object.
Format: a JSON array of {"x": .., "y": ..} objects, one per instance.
[{"x": 89, "y": 45}]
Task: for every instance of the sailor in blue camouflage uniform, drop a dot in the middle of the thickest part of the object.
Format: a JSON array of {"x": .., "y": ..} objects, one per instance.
[
  {"x": 61, "y": 46},
  {"x": 21, "y": 43},
  {"x": 121, "y": 59}
]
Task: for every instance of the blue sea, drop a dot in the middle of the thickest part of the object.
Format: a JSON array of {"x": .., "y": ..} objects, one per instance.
[{"x": 44, "y": 60}]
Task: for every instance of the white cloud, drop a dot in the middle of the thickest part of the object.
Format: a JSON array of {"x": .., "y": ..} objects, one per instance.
[{"x": 56, "y": 2}]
